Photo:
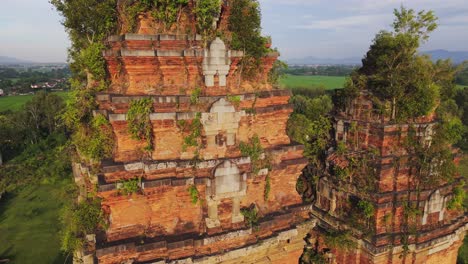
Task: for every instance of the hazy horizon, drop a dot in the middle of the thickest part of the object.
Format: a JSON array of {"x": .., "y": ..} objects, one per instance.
[{"x": 31, "y": 29}]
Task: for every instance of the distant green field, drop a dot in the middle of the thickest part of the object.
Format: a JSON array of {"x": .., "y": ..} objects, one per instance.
[
  {"x": 328, "y": 82},
  {"x": 14, "y": 103},
  {"x": 29, "y": 225},
  {"x": 461, "y": 86}
]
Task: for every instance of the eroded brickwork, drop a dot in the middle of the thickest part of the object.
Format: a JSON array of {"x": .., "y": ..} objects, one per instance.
[
  {"x": 408, "y": 224},
  {"x": 161, "y": 222}
]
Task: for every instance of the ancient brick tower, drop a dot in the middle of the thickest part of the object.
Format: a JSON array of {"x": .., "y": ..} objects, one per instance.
[
  {"x": 193, "y": 199},
  {"x": 368, "y": 191}
]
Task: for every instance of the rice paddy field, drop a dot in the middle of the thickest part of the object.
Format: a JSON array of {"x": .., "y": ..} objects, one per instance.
[
  {"x": 14, "y": 103},
  {"x": 327, "y": 82},
  {"x": 29, "y": 225}
]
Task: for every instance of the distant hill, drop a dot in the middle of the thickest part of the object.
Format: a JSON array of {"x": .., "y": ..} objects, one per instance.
[
  {"x": 9, "y": 60},
  {"x": 440, "y": 54},
  {"x": 456, "y": 56},
  {"x": 325, "y": 61}
]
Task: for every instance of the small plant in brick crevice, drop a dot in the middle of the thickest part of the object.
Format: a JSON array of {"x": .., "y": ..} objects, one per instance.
[
  {"x": 251, "y": 216},
  {"x": 367, "y": 209},
  {"x": 194, "y": 194},
  {"x": 195, "y": 128},
  {"x": 139, "y": 123},
  {"x": 254, "y": 150},
  {"x": 195, "y": 96},
  {"x": 459, "y": 197},
  {"x": 234, "y": 99},
  {"x": 340, "y": 240},
  {"x": 266, "y": 193},
  {"x": 130, "y": 186}
]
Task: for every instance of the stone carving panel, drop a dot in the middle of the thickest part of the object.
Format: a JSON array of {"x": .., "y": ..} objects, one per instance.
[
  {"x": 436, "y": 204},
  {"x": 221, "y": 124},
  {"x": 227, "y": 183},
  {"x": 216, "y": 62}
]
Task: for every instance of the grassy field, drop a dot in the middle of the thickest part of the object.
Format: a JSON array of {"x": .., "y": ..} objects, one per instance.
[
  {"x": 29, "y": 225},
  {"x": 14, "y": 103},
  {"x": 328, "y": 82}
]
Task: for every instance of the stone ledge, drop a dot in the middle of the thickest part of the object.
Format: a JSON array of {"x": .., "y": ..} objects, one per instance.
[
  {"x": 145, "y": 184},
  {"x": 110, "y": 166},
  {"x": 138, "y": 53},
  {"x": 199, "y": 241},
  {"x": 192, "y": 115},
  {"x": 179, "y": 98},
  {"x": 197, "y": 53},
  {"x": 378, "y": 250},
  {"x": 156, "y": 37}
]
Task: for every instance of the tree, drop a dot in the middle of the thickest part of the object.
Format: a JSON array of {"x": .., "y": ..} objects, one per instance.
[
  {"x": 245, "y": 25},
  {"x": 309, "y": 125},
  {"x": 205, "y": 12},
  {"x": 393, "y": 70},
  {"x": 88, "y": 22}
]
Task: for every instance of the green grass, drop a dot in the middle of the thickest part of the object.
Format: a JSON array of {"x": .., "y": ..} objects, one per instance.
[
  {"x": 327, "y": 82},
  {"x": 461, "y": 86},
  {"x": 14, "y": 103},
  {"x": 29, "y": 224}
]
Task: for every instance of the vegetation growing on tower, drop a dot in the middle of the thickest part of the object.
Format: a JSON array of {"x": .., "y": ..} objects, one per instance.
[
  {"x": 245, "y": 25},
  {"x": 139, "y": 122}
]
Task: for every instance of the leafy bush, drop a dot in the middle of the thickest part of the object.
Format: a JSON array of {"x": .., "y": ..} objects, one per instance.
[
  {"x": 93, "y": 61},
  {"x": 165, "y": 11},
  {"x": 205, "y": 12},
  {"x": 195, "y": 96},
  {"x": 340, "y": 240},
  {"x": 97, "y": 141},
  {"x": 245, "y": 24},
  {"x": 195, "y": 128},
  {"x": 130, "y": 186},
  {"x": 139, "y": 123},
  {"x": 79, "y": 220},
  {"x": 251, "y": 216},
  {"x": 277, "y": 72},
  {"x": 458, "y": 198},
  {"x": 254, "y": 150},
  {"x": 366, "y": 208},
  {"x": 234, "y": 99}
]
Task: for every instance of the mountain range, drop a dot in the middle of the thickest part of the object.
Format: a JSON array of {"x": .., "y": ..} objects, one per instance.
[
  {"x": 456, "y": 56},
  {"x": 10, "y": 60}
]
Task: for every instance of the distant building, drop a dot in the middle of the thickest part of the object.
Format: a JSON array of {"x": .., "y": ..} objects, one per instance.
[{"x": 1, "y": 92}]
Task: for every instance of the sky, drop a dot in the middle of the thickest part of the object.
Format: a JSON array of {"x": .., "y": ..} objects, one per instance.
[{"x": 31, "y": 29}]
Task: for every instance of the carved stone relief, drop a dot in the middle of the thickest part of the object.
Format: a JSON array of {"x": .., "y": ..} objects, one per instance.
[
  {"x": 227, "y": 183},
  {"x": 216, "y": 62},
  {"x": 221, "y": 124},
  {"x": 436, "y": 204}
]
